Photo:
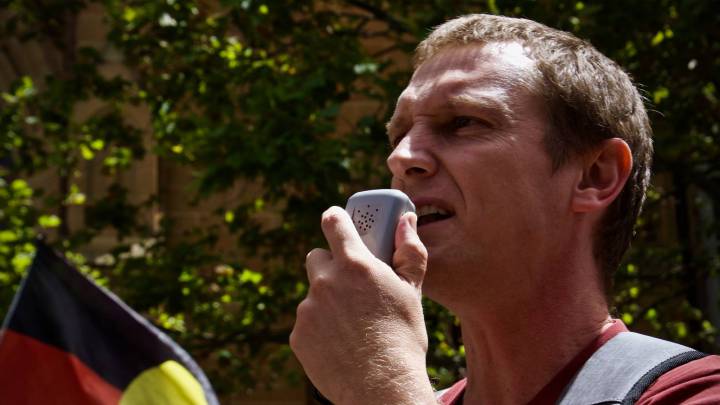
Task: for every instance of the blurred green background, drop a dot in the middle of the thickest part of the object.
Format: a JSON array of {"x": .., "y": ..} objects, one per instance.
[{"x": 181, "y": 152}]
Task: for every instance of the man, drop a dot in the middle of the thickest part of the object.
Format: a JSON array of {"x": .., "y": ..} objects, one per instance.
[{"x": 527, "y": 155}]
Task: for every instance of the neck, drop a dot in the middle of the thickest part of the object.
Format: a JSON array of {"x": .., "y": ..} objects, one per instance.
[{"x": 513, "y": 352}]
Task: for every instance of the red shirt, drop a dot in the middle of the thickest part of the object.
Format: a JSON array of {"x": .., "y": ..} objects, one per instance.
[{"x": 695, "y": 383}]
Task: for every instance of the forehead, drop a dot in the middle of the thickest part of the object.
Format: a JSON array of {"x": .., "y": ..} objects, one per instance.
[{"x": 499, "y": 67}]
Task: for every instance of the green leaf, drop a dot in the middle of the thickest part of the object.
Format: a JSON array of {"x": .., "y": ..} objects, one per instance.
[
  {"x": 627, "y": 318},
  {"x": 49, "y": 221},
  {"x": 9, "y": 98},
  {"x": 8, "y": 236},
  {"x": 248, "y": 275},
  {"x": 21, "y": 262},
  {"x": 709, "y": 92},
  {"x": 365, "y": 68},
  {"x": 660, "y": 94},
  {"x": 681, "y": 329},
  {"x": 97, "y": 144},
  {"x": 492, "y": 6},
  {"x": 129, "y": 14},
  {"x": 87, "y": 154},
  {"x": 658, "y": 38}
]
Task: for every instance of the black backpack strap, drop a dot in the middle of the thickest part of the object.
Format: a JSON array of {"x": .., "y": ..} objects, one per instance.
[
  {"x": 649, "y": 378},
  {"x": 621, "y": 370}
]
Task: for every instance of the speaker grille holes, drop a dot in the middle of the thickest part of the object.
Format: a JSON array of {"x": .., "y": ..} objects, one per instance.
[{"x": 364, "y": 218}]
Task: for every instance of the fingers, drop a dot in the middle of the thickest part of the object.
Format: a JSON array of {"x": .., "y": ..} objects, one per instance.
[
  {"x": 346, "y": 248},
  {"x": 341, "y": 234},
  {"x": 410, "y": 258},
  {"x": 315, "y": 262}
]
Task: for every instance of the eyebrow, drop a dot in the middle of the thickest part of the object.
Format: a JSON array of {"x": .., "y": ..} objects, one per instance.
[
  {"x": 391, "y": 127},
  {"x": 483, "y": 100}
]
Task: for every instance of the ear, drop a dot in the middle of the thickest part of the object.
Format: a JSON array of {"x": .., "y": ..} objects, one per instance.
[{"x": 605, "y": 171}]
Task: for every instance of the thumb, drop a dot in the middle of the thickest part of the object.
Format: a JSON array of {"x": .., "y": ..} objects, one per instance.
[{"x": 410, "y": 257}]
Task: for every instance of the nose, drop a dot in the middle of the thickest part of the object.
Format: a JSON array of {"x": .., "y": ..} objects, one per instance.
[{"x": 412, "y": 158}]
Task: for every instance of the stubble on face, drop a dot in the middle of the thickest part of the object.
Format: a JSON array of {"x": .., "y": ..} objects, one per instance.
[{"x": 496, "y": 177}]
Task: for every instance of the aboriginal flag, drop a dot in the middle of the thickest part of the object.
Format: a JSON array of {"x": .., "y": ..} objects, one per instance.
[{"x": 67, "y": 341}]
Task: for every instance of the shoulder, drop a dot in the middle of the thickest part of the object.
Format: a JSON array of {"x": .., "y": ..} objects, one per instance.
[
  {"x": 452, "y": 395},
  {"x": 697, "y": 382}
]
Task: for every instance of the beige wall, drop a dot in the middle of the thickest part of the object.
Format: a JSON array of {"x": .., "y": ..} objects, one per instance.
[
  {"x": 147, "y": 177},
  {"x": 151, "y": 176}
]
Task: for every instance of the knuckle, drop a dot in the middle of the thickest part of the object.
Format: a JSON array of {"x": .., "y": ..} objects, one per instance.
[
  {"x": 300, "y": 319},
  {"x": 352, "y": 261},
  {"x": 321, "y": 285},
  {"x": 292, "y": 339},
  {"x": 416, "y": 252},
  {"x": 301, "y": 311},
  {"x": 295, "y": 341},
  {"x": 305, "y": 326}
]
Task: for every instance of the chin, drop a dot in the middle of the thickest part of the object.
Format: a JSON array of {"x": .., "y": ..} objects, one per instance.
[
  {"x": 449, "y": 275},
  {"x": 444, "y": 260},
  {"x": 438, "y": 279},
  {"x": 429, "y": 291},
  {"x": 441, "y": 293}
]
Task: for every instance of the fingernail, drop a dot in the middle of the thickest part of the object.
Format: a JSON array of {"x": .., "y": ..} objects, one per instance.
[{"x": 413, "y": 221}]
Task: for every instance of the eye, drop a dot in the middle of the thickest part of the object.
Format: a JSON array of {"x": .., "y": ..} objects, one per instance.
[
  {"x": 462, "y": 122},
  {"x": 395, "y": 140}
]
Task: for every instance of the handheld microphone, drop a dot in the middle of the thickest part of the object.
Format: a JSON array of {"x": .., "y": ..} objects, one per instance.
[{"x": 375, "y": 214}]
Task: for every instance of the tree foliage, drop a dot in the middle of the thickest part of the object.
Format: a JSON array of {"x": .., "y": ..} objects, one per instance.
[{"x": 256, "y": 92}]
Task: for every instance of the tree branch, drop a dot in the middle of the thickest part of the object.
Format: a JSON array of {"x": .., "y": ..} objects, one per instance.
[{"x": 380, "y": 14}]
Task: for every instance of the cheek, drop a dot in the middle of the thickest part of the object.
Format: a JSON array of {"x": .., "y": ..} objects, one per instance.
[
  {"x": 509, "y": 203},
  {"x": 505, "y": 184},
  {"x": 396, "y": 183}
]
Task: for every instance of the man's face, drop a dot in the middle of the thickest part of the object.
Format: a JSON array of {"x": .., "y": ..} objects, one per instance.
[{"x": 468, "y": 149}]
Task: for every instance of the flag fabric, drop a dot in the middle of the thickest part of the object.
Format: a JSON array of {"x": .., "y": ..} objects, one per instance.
[{"x": 65, "y": 340}]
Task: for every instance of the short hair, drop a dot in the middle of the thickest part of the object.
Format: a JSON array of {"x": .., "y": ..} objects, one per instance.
[{"x": 590, "y": 98}]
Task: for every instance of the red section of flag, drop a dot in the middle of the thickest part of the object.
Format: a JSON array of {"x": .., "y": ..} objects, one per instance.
[{"x": 35, "y": 373}]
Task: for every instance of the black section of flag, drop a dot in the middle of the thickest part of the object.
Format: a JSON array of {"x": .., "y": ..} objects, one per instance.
[{"x": 59, "y": 306}]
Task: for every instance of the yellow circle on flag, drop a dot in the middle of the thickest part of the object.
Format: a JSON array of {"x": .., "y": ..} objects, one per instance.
[{"x": 168, "y": 383}]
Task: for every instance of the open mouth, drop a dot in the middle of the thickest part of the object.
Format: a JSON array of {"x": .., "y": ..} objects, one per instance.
[{"x": 429, "y": 213}]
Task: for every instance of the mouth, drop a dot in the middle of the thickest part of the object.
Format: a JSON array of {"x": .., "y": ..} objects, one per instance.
[{"x": 428, "y": 214}]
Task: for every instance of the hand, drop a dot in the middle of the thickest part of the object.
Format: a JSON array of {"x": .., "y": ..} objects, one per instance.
[{"x": 360, "y": 333}]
